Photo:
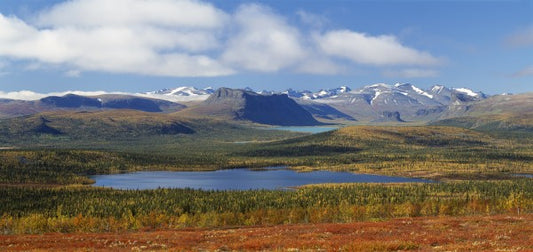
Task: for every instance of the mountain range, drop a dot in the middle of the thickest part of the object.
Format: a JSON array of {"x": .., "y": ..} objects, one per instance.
[
  {"x": 238, "y": 104},
  {"x": 377, "y": 103}
]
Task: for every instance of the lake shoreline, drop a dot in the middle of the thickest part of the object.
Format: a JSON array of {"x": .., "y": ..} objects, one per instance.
[{"x": 268, "y": 178}]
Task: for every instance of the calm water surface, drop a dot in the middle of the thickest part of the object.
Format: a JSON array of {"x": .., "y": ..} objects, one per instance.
[
  {"x": 237, "y": 179},
  {"x": 306, "y": 129},
  {"x": 523, "y": 175}
]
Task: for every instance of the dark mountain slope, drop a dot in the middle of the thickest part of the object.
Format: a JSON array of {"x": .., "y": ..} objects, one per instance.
[
  {"x": 236, "y": 104},
  {"x": 72, "y": 102},
  {"x": 99, "y": 124},
  {"x": 324, "y": 111}
]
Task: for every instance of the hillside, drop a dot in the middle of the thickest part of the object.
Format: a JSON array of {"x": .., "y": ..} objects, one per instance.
[
  {"x": 236, "y": 104},
  {"x": 99, "y": 124},
  {"x": 497, "y": 113},
  {"x": 518, "y": 103},
  {"x": 377, "y": 102},
  {"x": 435, "y": 152},
  {"x": 72, "y": 102},
  {"x": 511, "y": 122}
]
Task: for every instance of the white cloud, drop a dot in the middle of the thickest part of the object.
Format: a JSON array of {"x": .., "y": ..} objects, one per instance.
[
  {"x": 523, "y": 37},
  {"x": 364, "y": 49},
  {"x": 264, "y": 41},
  {"x": 527, "y": 71},
  {"x": 30, "y": 95},
  {"x": 181, "y": 14},
  {"x": 411, "y": 73},
  {"x": 158, "y": 37},
  {"x": 190, "y": 38}
]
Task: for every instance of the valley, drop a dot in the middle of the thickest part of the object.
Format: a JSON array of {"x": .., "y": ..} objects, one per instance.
[
  {"x": 202, "y": 125},
  {"x": 472, "y": 148}
]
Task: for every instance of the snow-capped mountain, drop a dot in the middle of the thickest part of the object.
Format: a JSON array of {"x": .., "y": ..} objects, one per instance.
[
  {"x": 450, "y": 95},
  {"x": 412, "y": 103},
  {"x": 308, "y": 95},
  {"x": 370, "y": 102},
  {"x": 326, "y": 93},
  {"x": 184, "y": 91},
  {"x": 400, "y": 93},
  {"x": 180, "y": 94},
  {"x": 376, "y": 102}
]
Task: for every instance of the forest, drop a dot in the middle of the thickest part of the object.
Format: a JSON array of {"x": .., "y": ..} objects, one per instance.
[
  {"x": 85, "y": 209},
  {"x": 45, "y": 184}
]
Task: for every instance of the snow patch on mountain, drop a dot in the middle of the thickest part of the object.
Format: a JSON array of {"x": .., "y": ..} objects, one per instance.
[
  {"x": 420, "y": 91},
  {"x": 436, "y": 89},
  {"x": 180, "y": 94},
  {"x": 467, "y": 92},
  {"x": 376, "y": 94}
]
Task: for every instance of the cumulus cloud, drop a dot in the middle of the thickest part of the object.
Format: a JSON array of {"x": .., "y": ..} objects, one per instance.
[
  {"x": 372, "y": 50},
  {"x": 164, "y": 13},
  {"x": 159, "y": 37},
  {"x": 264, "y": 41},
  {"x": 191, "y": 38},
  {"x": 523, "y": 37},
  {"x": 411, "y": 73}
]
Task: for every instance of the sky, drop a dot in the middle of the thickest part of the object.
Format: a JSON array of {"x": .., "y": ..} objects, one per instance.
[{"x": 145, "y": 45}]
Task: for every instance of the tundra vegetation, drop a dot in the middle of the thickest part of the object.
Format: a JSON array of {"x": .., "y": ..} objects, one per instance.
[{"x": 44, "y": 183}]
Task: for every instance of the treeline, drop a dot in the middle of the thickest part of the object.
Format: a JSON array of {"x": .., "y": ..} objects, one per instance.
[
  {"x": 430, "y": 152},
  {"x": 60, "y": 166},
  {"x": 434, "y": 152},
  {"x": 70, "y": 209}
]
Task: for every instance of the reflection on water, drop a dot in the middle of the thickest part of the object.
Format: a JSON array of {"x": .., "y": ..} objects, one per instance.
[
  {"x": 238, "y": 179},
  {"x": 523, "y": 175},
  {"x": 306, "y": 129}
]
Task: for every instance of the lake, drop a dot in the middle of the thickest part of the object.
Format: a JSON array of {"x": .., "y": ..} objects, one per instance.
[
  {"x": 305, "y": 129},
  {"x": 272, "y": 178},
  {"x": 523, "y": 175}
]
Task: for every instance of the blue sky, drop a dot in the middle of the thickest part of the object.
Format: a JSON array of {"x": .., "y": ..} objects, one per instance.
[{"x": 138, "y": 45}]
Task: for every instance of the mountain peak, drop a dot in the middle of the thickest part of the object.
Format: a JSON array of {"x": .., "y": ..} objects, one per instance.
[
  {"x": 467, "y": 91},
  {"x": 224, "y": 93},
  {"x": 378, "y": 85},
  {"x": 240, "y": 104}
]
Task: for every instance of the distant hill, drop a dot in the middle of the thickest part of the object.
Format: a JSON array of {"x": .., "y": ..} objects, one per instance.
[
  {"x": 99, "y": 124},
  {"x": 494, "y": 122},
  {"x": 501, "y": 112},
  {"x": 518, "y": 103},
  {"x": 325, "y": 111},
  {"x": 380, "y": 102},
  {"x": 390, "y": 116},
  {"x": 14, "y": 108},
  {"x": 238, "y": 104}
]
